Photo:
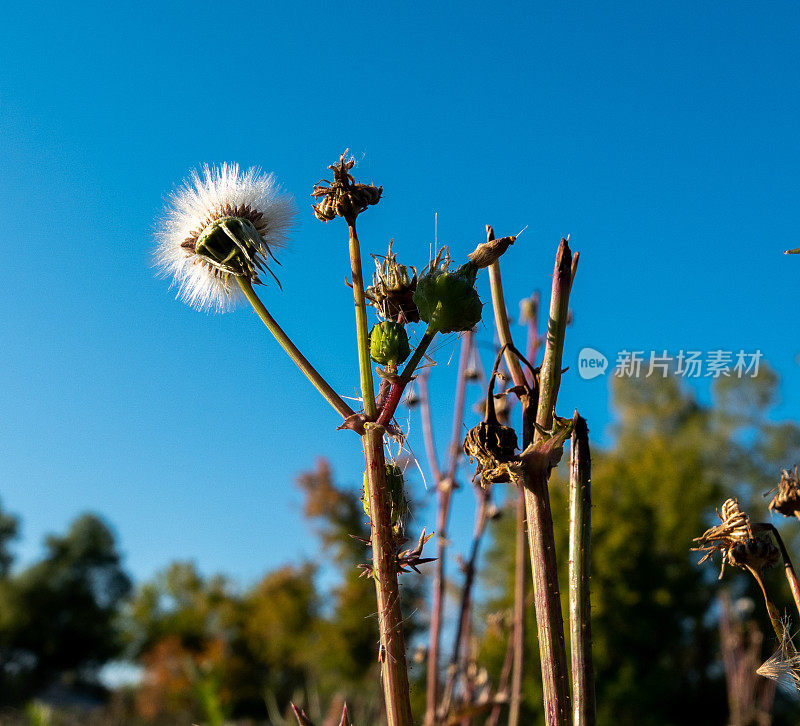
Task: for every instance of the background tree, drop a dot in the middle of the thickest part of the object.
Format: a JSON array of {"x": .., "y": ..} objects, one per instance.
[{"x": 57, "y": 617}]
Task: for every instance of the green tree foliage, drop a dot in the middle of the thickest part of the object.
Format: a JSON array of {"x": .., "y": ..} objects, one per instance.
[
  {"x": 57, "y": 618},
  {"x": 654, "y": 626}
]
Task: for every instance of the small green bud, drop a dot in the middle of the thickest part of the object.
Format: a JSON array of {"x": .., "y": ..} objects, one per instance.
[
  {"x": 448, "y": 301},
  {"x": 395, "y": 483},
  {"x": 388, "y": 343}
]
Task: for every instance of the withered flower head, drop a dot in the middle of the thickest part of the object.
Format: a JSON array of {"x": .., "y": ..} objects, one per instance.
[
  {"x": 392, "y": 289},
  {"x": 787, "y": 500},
  {"x": 735, "y": 540},
  {"x": 222, "y": 223},
  {"x": 490, "y": 443},
  {"x": 343, "y": 197}
]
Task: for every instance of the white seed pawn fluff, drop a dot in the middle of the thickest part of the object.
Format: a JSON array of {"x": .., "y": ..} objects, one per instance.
[{"x": 201, "y": 199}]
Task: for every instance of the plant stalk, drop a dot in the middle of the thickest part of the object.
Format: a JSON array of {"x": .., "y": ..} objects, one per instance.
[
  {"x": 297, "y": 357},
  {"x": 541, "y": 541},
  {"x": 362, "y": 331},
  {"x": 392, "y": 653},
  {"x": 580, "y": 622}
]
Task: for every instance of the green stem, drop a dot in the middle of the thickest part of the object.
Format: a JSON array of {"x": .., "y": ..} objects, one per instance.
[
  {"x": 297, "y": 357},
  {"x": 580, "y": 616},
  {"x": 416, "y": 357},
  {"x": 362, "y": 331}
]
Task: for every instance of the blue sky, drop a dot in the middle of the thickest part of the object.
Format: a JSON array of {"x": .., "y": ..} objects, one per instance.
[{"x": 661, "y": 137}]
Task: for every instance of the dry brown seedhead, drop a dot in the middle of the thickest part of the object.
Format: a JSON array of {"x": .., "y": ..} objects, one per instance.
[
  {"x": 392, "y": 289},
  {"x": 734, "y": 538},
  {"x": 343, "y": 197},
  {"x": 492, "y": 444},
  {"x": 787, "y": 500}
]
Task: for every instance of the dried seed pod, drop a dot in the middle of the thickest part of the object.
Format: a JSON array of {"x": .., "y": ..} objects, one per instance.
[
  {"x": 343, "y": 197},
  {"x": 490, "y": 443},
  {"x": 446, "y": 300},
  {"x": 787, "y": 500},
  {"x": 735, "y": 540},
  {"x": 388, "y": 343},
  {"x": 392, "y": 289},
  {"x": 757, "y": 552},
  {"x": 490, "y": 251}
]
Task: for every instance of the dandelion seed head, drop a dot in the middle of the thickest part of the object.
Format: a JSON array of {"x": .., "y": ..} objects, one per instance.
[{"x": 247, "y": 211}]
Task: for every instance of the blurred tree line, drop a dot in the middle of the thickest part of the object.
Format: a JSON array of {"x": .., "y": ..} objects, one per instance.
[{"x": 212, "y": 653}]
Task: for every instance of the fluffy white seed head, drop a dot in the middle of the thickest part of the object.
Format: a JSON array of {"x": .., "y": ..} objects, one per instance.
[{"x": 211, "y": 194}]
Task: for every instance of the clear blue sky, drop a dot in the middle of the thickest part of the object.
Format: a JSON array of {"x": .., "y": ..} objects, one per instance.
[{"x": 662, "y": 136}]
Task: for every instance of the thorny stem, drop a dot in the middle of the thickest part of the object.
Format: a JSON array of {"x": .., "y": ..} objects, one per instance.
[
  {"x": 580, "y": 616},
  {"x": 534, "y": 341},
  {"x": 398, "y": 386},
  {"x": 444, "y": 490},
  {"x": 297, "y": 357},
  {"x": 392, "y": 653},
  {"x": 541, "y": 541}
]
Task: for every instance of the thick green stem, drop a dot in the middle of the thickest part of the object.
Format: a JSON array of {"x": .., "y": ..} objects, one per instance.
[
  {"x": 362, "y": 331},
  {"x": 297, "y": 357},
  {"x": 580, "y": 616},
  {"x": 392, "y": 653}
]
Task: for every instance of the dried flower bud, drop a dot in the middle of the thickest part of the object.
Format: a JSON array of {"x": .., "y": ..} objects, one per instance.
[
  {"x": 388, "y": 343},
  {"x": 343, "y": 197},
  {"x": 392, "y": 289},
  {"x": 490, "y": 251},
  {"x": 447, "y": 301},
  {"x": 787, "y": 500},
  {"x": 757, "y": 553},
  {"x": 491, "y": 443},
  {"x": 734, "y": 538}
]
